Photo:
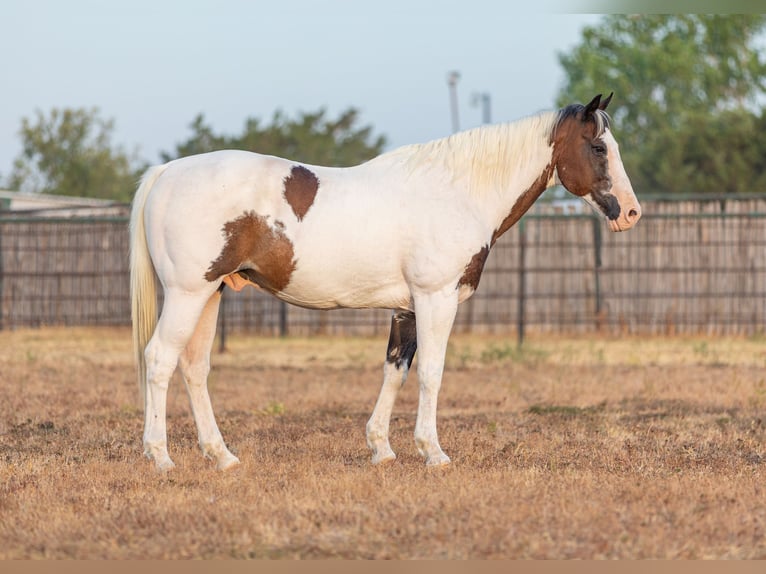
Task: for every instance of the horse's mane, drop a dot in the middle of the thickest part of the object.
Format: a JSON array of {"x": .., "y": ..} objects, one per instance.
[{"x": 493, "y": 156}]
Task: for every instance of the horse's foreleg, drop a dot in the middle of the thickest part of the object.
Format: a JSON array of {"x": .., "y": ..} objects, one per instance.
[
  {"x": 195, "y": 366},
  {"x": 402, "y": 344},
  {"x": 174, "y": 329},
  {"x": 436, "y": 314}
]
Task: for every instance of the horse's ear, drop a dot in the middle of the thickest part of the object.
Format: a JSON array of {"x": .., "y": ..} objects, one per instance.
[
  {"x": 605, "y": 103},
  {"x": 592, "y": 107}
]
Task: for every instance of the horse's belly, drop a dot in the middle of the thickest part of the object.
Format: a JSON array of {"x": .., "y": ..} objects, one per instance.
[{"x": 345, "y": 289}]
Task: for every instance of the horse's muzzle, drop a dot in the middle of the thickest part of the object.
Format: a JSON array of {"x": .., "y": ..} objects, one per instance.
[
  {"x": 630, "y": 216},
  {"x": 608, "y": 204}
]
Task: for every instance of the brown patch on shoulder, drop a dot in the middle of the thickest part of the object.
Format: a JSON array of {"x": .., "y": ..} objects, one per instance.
[
  {"x": 301, "y": 188},
  {"x": 473, "y": 270},
  {"x": 257, "y": 250},
  {"x": 524, "y": 202}
]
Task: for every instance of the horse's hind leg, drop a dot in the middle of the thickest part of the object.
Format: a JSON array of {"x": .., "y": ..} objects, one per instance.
[
  {"x": 175, "y": 327},
  {"x": 402, "y": 344},
  {"x": 195, "y": 366}
]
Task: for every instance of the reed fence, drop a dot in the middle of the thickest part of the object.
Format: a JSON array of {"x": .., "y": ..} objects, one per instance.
[{"x": 692, "y": 265}]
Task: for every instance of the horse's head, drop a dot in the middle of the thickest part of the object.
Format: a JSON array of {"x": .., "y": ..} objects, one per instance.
[{"x": 587, "y": 163}]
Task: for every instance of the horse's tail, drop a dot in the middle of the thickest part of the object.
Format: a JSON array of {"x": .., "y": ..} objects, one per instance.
[{"x": 143, "y": 278}]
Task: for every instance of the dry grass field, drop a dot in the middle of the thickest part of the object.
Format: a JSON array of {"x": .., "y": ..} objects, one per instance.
[{"x": 572, "y": 448}]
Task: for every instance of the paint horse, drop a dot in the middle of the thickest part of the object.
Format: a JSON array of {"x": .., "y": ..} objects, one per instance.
[{"x": 409, "y": 231}]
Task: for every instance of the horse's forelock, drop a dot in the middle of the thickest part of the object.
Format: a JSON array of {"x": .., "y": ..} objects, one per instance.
[
  {"x": 603, "y": 122},
  {"x": 600, "y": 117}
]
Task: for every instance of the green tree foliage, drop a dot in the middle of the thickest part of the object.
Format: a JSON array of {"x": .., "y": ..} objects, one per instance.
[
  {"x": 686, "y": 89},
  {"x": 310, "y": 138},
  {"x": 69, "y": 152}
]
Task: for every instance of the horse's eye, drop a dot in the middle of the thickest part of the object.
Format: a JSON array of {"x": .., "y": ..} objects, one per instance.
[{"x": 598, "y": 149}]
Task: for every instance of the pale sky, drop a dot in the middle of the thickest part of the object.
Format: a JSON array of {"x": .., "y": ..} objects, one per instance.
[{"x": 153, "y": 65}]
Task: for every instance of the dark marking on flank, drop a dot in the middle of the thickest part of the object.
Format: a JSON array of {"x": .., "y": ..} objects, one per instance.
[
  {"x": 473, "y": 270},
  {"x": 403, "y": 340},
  {"x": 257, "y": 251},
  {"x": 301, "y": 188}
]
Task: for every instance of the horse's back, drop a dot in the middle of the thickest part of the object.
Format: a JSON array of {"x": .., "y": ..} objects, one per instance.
[{"x": 219, "y": 175}]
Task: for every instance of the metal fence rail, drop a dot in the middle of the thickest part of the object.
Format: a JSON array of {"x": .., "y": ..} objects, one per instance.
[{"x": 689, "y": 266}]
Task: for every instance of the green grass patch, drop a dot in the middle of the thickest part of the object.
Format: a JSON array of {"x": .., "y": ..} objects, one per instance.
[
  {"x": 496, "y": 353},
  {"x": 566, "y": 411}
]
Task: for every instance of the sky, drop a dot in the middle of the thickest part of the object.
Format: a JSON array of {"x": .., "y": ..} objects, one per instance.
[{"x": 152, "y": 65}]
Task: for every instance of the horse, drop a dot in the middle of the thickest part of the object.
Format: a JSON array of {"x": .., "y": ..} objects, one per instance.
[{"x": 409, "y": 230}]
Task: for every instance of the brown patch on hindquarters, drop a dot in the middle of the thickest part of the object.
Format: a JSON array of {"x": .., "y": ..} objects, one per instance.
[
  {"x": 254, "y": 249},
  {"x": 301, "y": 188},
  {"x": 472, "y": 272}
]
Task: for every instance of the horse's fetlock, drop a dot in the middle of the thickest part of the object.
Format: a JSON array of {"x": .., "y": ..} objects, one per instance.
[{"x": 374, "y": 432}]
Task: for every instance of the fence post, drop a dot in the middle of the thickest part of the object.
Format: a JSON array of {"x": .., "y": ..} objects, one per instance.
[
  {"x": 222, "y": 330},
  {"x": 2, "y": 278},
  {"x": 521, "y": 319},
  {"x": 597, "y": 241},
  {"x": 282, "y": 319}
]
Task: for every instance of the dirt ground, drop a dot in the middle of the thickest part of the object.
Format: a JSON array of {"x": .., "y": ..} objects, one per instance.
[{"x": 573, "y": 447}]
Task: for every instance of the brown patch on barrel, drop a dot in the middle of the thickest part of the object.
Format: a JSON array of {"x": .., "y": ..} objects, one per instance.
[
  {"x": 301, "y": 188},
  {"x": 524, "y": 202},
  {"x": 257, "y": 250},
  {"x": 473, "y": 270}
]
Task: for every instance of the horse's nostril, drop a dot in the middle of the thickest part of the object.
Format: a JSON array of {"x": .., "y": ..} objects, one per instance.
[{"x": 632, "y": 213}]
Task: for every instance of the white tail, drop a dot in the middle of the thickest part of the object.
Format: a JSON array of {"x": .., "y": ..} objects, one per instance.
[{"x": 143, "y": 279}]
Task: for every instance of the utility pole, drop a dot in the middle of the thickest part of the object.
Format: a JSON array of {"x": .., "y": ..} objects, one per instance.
[
  {"x": 452, "y": 79},
  {"x": 484, "y": 100}
]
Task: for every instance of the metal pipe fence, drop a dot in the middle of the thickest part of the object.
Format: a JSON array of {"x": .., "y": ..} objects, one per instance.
[{"x": 691, "y": 266}]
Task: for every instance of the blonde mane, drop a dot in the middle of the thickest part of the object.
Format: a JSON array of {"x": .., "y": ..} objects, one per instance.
[{"x": 491, "y": 157}]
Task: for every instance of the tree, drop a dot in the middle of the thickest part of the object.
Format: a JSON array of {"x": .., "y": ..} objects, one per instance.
[
  {"x": 310, "y": 138},
  {"x": 69, "y": 152},
  {"x": 686, "y": 93}
]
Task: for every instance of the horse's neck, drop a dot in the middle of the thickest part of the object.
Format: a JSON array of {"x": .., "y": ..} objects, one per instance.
[
  {"x": 501, "y": 169},
  {"x": 506, "y": 167}
]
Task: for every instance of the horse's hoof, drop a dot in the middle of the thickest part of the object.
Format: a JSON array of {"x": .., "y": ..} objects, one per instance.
[
  {"x": 159, "y": 454},
  {"x": 383, "y": 458},
  {"x": 227, "y": 462},
  {"x": 164, "y": 466},
  {"x": 438, "y": 460}
]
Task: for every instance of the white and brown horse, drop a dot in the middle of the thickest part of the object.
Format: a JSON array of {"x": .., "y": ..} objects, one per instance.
[{"x": 409, "y": 231}]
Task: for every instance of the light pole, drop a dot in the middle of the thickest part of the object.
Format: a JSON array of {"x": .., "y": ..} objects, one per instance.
[
  {"x": 483, "y": 99},
  {"x": 452, "y": 79}
]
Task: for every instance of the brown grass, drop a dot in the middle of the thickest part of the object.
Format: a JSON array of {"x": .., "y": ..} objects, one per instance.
[{"x": 572, "y": 448}]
